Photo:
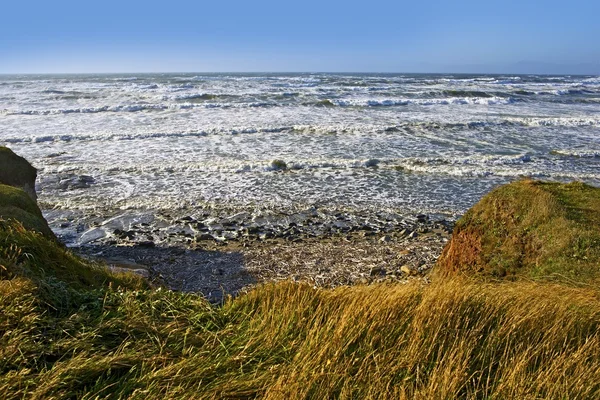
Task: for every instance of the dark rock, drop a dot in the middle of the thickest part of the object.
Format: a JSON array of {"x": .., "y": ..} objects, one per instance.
[
  {"x": 200, "y": 226},
  {"x": 76, "y": 182},
  {"x": 204, "y": 236},
  {"x": 377, "y": 271},
  {"x": 251, "y": 230},
  {"x": 265, "y": 235},
  {"x": 16, "y": 171},
  {"x": 372, "y": 163},
  {"x": 278, "y": 165}
]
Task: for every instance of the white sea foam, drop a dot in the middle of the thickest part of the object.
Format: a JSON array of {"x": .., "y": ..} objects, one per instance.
[
  {"x": 423, "y": 102},
  {"x": 577, "y": 153},
  {"x": 558, "y": 121},
  {"x": 408, "y": 141}
]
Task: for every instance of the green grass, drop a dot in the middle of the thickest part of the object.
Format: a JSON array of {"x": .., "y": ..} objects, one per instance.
[
  {"x": 529, "y": 229},
  {"x": 16, "y": 204}
]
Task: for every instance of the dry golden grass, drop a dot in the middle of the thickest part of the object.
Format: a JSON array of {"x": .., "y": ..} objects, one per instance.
[{"x": 453, "y": 339}]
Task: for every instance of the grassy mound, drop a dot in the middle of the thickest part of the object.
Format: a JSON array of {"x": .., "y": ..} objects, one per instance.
[
  {"x": 60, "y": 277},
  {"x": 18, "y": 205},
  {"x": 530, "y": 229}
]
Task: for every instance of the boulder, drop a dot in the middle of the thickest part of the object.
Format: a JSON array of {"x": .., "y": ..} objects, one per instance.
[
  {"x": 16, "y": 171},
  {"x": 529, "y": 229}
]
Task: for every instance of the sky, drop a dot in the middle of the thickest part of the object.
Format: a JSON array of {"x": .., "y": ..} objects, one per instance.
[{"x": 300, "y": 36}]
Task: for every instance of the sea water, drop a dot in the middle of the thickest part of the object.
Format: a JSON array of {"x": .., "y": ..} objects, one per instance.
[{"x": 403, "y": 142}]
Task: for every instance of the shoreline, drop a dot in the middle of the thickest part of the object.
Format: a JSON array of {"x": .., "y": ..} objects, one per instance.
[{"x": 220, "y": 254}]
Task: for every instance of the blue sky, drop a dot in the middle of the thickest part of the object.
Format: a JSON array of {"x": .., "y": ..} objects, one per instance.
[{"x": 369, "y": 36}]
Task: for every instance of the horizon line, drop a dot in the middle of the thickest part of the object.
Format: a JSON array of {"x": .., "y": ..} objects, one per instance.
[{"x": 297, "y": 72}]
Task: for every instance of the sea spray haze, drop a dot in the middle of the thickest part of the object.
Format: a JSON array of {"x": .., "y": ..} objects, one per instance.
[{"x": 411, "y": 143}]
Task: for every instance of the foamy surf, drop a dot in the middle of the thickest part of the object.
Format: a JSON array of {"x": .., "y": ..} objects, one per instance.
[{"x": 409, "y": 143}]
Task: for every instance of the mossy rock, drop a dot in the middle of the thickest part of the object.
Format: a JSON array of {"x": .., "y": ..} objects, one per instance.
[
  {"x": 16, "y": 171},
  {"x": 16, "y": 204},
  {"x": 529, "y": 229},
  {"x": 279, "y": 165}
]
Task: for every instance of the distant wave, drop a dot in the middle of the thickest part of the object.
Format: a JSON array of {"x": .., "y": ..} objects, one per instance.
[
  {"x": 53, "y": 91},
  {"x": 135, "y": 108},
  {"x": 576, "y": 153},
  {"x": 564, "y": 121},
  {"x": 195, "y": 96},
  {"x": 471, "y": 166},
  {"x": 261, "y": 104},
  {"x": 408, "y": 127},
  {"x": 140, "y": 136},
  {"x": 421, "y": 102}
]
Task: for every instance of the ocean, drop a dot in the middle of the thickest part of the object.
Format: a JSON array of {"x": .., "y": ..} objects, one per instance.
[{"x": 411, "y": 144}]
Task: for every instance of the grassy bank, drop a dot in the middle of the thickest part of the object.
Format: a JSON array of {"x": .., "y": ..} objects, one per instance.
[
  {"x": 72, "y": 329},
  {"x": 529, "y": 229}
]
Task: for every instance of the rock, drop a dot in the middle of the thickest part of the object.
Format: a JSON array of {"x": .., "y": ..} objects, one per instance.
[
  {"x": 373, "y": 162},
  {"x": 251, "y": 230},
  {"x": 138, "y": 271},
  {"x": 146, "y": 244},
  {"x": 76, "y": 182},
  {"x": 91, "y": 235},
  {"x": 407, "y": 270},
  {"x": 413, "y": 235},
  {"x": 278, "y": 165},
  {"x": 377, "y": 271},
  {"x": 385, "y": 239},
  {"x": 16, "y": 171},
  {"x": 422, "y": 217},
  {"x": 203, "y": 236}
]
